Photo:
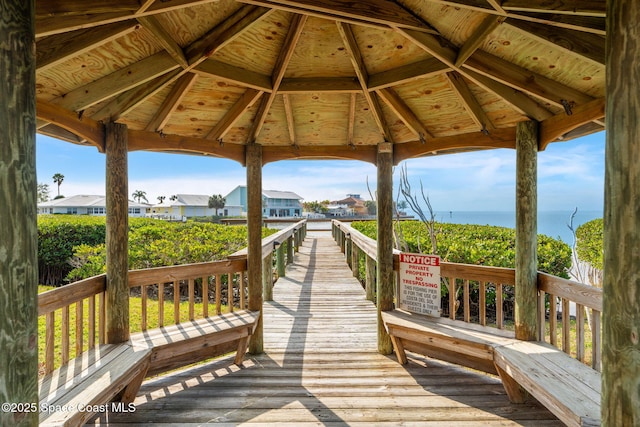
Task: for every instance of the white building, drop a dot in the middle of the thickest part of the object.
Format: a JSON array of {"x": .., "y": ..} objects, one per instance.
[
  {"x": 184, "y": 206},
  {"x": 87, "y": 205}
]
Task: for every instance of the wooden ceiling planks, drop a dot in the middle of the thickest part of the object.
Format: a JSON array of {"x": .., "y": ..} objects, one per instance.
[{"x": 321, "y": 77}]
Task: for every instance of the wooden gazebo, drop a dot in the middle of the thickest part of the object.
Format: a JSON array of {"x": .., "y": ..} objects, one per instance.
[{"x": 259, "y": 81}]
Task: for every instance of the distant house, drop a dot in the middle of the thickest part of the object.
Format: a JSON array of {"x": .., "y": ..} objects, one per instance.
[
  {"x": 275, "y": 204},
  {"x": 351, "y": 205},
  {"x": 87, "y": 205},
  {"x": 182, "y": 206}
]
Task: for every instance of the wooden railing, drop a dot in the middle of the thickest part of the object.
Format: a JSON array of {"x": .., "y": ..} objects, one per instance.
[
  {"x": 485, "y": 295},
  {"x": 173, "y": 294}
]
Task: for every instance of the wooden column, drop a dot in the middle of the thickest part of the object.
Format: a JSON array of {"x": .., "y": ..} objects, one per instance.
[
  {"x": 621, "y": 285},
  {"x": 280, "y": 261},
  {"x": 18, "y": 229},
  {"x": 117, "y": 238},
  {"x": 254, "y": 232},
  {"x": 370, "y": 278},
  {"x": 267, "y": 278},
  {"x": 526, "y": 313},
  {"x": 385, "y": 275},
  {"x": 290, "y": 250}
]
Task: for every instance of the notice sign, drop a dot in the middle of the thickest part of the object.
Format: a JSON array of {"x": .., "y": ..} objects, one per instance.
[{"x": 420, "y": 283}]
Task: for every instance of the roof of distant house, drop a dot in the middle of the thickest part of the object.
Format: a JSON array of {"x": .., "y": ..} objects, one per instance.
[
  {"x": 275, "y": 194},
  {"x": 84, "y": 200}
]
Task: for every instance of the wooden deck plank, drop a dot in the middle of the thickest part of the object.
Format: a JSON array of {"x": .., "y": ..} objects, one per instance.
[{"x": 321, "y": 367}]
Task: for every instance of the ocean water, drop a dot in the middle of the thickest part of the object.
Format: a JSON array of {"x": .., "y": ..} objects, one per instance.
[{"x": 551, "y": 223}]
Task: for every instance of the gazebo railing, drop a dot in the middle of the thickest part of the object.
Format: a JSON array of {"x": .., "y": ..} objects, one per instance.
[
  {"x": 485, "y": 295},
  {"x": 74, "y": 315}
]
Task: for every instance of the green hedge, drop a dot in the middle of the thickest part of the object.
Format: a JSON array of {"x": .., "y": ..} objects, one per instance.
[
  {"x": 71, "y": 247},
  {"x": 479, "y": 244},
  {"x": 590, "y": 242}
]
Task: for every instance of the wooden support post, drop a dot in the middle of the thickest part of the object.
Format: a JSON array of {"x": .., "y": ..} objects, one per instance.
[
  {"x": 385, "y": 274},
  {"x": 290, "y": 250},
  {"x": 621, "y": 285},
  {"x": 254, "y": 232},
  {"x": 355, "y": 259},
  {"x": 348, "y": 247},
  {"x": 18, "y": 229},
  {"x": 526, "y": 305},
  {"x": 280, "y": 261},
  {"x": 117, "y": 239}
]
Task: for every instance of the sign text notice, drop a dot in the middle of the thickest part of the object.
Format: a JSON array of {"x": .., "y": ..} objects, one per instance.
[{"x": 420, "y": 283}]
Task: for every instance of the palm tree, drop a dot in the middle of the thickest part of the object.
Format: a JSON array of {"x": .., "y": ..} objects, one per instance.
[
  {"x": 58, "y": 178},
  {"x": 139, "y": 195},
  {"x": 216, "y": 202},
  {"x": 161, "y": 199}
]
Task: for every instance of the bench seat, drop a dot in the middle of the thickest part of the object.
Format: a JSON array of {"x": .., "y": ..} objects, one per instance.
[
  {"x": 570, "y": 389},
  {"x": 69, "y": 395},
  {"x": 188, "y": 342}
]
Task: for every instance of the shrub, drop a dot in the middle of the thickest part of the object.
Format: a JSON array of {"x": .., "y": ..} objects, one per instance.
[{"x": 590, "y": 243}]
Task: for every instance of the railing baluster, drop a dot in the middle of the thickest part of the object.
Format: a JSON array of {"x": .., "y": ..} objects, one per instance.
[
  {"x": 205, "y": 296},
  {"x": 553, "y": 320},
  {"x": 230, "y": 292},
  {"x": 64, "y": 326},
  {"x": 542, "y": 313},
  {"x": 241, "y": 289},
  {"x": 176, "y": 301},
  {"x": 467, "y": 297},
  {"x": 596, "y": 340},
  {"x": 580, "y": 332},
  {"x": 218, "y": 294},
  {"x": 102, "y": 331},
  {"x": 92, "y": 321},
  {"x": 566, "y": 326},
  {"x": 452, "y": 297},
  {"x": 192, "y": 299},
  {"x": 160, "y": 304},
  {"x": 482, "y": 291},
  {"x": 49, "y": 341},
  {"x": 79, "y": 327},
  {"x": 144, "y": 300},
  {"x": 499, "y": 307}
]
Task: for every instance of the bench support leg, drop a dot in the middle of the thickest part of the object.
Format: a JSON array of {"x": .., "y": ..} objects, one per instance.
[
  {"x": 399, "y": 348},
  {"x": 516, "y": 393},
  {"x": 130, "y": 392},
  {"x": 243, "y": 343}
]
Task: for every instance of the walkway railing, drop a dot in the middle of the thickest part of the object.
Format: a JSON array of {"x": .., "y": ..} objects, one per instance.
[
  {"x": 74, "y": 315},
  {"x": 484, "y": 295}
]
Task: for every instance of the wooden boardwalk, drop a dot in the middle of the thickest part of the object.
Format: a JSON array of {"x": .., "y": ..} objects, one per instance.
[{"x": 320, "y": 367}]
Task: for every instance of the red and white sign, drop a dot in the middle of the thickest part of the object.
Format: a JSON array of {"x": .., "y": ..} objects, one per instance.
[{"x": 420, "y": 283}]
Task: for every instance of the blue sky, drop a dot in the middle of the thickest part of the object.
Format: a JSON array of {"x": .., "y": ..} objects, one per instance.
[{"x": 570, "y": 175}]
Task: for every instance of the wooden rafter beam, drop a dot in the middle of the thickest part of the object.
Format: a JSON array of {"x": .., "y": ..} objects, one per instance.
[
  {"x": 54, "y": 50},
  {"x": 406, "y": 73},
  {"x": 497, "y": 6},
  {"x": 524, "y": 80},
  {"x": 288, "y": 112},
  {"x": 365, "y": 153},
  {"x": 569, "y": 7},
  {"x": 351, "y": 45},
  {"x": 286, "y": 52},
  {"x": 444, "y": 52},
  {"x": 144, "y": 5},
  {"x": 171, "y": 102},
  {"x": 478, "y": 37},
  {"x": 235, "y": 75},
  {"x": 555, "y": 127},
  {"x": 500, "y": 138},
  {"x": 84, "y": 127},
  {"x": 152, "y": 24},
  {"x": 351, "y": 123},
  {"x": 469, "y": 101},
  {"x": 587, "y": 45},
  {"x": 61, "y": 17},
  {"x": 117, "y": 82},
  {"x": 246, "y": 100},
  {"x": 404, "y": 112},
  {"x": 587, "y": 24},
  {"x": 363, "y": 12},
  {"x": 153, "y": 141},
  {"x": 320, "y": 84},
  {"x": 224, "y": 32}
]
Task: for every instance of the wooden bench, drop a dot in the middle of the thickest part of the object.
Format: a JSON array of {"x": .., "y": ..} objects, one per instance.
[
  {"x": 188, "y": 342},
  {"x": 564, "y": 385},
  {"x": 73, "y": 393}
]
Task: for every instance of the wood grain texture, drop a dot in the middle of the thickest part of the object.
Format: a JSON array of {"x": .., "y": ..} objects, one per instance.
[
  {"x": 385, "y": 278},
  {"x": 117, "y": 187},
  {"x": 526, "y": 231},
  {"x": 621, "y": 285},
  {"x": 18, "y": 244}
]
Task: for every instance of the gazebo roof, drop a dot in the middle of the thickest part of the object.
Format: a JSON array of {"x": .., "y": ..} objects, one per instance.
[{"x": 319, "y": 78}]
